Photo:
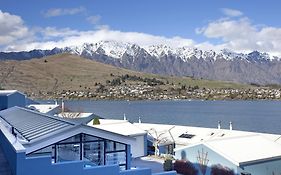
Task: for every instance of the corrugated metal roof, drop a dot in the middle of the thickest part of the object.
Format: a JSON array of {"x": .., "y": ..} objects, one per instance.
[{"x": 31, "y": 124}]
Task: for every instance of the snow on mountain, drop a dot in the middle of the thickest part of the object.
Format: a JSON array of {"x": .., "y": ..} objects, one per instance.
[
  {"x": 183, "y": 61},
  {"x": 116, "y": 50}
]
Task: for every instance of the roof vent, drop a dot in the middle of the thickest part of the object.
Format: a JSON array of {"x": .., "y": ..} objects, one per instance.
[
  {"x": 230, "y": 125},
  {"x": 219, "y": 124}
]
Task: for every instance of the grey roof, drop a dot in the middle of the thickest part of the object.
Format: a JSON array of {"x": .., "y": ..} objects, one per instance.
[{"x": 32, "y": 125}]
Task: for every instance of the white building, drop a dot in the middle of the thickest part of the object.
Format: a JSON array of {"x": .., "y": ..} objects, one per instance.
[
  {"x": 221, "y": 150},
  {"x": 247, "y": 155},
  {"x": 50, "y": 109},
  {"x": 188, "y": 135},
  {"x": 123, "y": 127}
]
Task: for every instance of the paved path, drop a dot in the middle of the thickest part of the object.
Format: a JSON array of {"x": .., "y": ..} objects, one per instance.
[{"x": 4, "y": 166}]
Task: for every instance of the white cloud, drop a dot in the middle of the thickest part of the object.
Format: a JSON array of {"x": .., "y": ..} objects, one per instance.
[
  {"x": 78, "y": 38},
  {"x": 12, "y": 28},
  {"x": 231, "y": 12},
  {"x": 50, "y": 32},
  {"x": 60, "y": 11},
  {"x": 94, "y": 19},
  {"x": 237, "y": 34},
  {"x": 242, "y": 36}
]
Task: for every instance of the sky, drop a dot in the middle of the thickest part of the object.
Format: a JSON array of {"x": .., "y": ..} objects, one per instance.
[{"x": 237, "y": 25}]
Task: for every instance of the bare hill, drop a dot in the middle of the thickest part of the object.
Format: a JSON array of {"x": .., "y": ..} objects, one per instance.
[{"x": 70, "y": 72}]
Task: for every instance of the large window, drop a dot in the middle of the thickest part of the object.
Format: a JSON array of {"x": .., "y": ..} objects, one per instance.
[
  {"x": 68, "y": 152},
  {"x": 95, "y": 150}
]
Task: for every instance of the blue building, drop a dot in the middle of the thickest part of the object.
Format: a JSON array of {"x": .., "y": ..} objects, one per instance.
[
  {"x": 249, "y": 155},
  {"x": 10, "y": 98},
  {"x": 33, "y": 143}
]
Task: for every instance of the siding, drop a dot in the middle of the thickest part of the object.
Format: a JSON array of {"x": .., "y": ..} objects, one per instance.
[{"x": 4, "y": 165}]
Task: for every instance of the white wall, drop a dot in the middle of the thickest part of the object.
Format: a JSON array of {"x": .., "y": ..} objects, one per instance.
[{"x": 137, "y": 149}]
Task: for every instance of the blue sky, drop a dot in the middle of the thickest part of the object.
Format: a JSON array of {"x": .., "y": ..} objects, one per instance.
[{"x": 237, "y": 25}]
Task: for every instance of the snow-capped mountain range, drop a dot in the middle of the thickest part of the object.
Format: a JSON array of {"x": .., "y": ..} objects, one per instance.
[
  {"x": 254, "y": 67},
  {"x": 118, "y": 49}
]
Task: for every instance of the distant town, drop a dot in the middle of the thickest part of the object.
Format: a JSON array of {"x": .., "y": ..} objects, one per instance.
[{"x": 127, "y": 87}]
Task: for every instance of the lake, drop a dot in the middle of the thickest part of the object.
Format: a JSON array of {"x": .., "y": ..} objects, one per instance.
[{"x": 259, "y": 116}]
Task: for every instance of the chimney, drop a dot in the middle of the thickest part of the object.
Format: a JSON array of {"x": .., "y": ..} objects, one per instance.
[
  {"x": 230, "y": 125},
  {"x": 124, "y": 118},
  {"x": 139, "y": 120},
  {"x": 219, "y": 124}
]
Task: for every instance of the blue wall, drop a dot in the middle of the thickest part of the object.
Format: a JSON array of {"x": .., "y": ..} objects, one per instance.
[
  {"x": 262, "y": 168},
  {"x": 191, "y": 154},
  {"x": 21, "y": 165},
  {"x": 3, "y": 102},
  {"x": 15, "y": 99}
]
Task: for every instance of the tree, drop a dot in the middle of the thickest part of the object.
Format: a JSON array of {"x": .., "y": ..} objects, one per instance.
[
  {"x": 96, "y": 121},
  {"x": 159, "y": 137}
]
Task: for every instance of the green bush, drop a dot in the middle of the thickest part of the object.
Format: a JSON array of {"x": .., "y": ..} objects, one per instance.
[
  {"x": 168, "y": 165},
  {"x": 96, "y": 121}
]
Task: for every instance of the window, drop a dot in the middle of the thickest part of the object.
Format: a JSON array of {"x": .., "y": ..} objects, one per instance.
[
  {"x": 169, "y": 149},
  {"x": 87, "y": 138},
  {"x": 73, "y": 139},
  {"x": 68, "y": 152},
  {"x": 114, "y": 146},
  {"x": 187, "y": 136},
  {"x": 116, "y": 158},
  {"x": 95, "y": 150}
]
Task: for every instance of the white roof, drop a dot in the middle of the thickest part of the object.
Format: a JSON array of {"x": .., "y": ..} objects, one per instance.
[
  {"x": 72, "y": 115},
  {"x": 9, "y": 92},
  {"x": 172, "y": 133},
  {"x": 43, "y": 108},
  {"x": 111, "y": 121},
  {"x": 247, "y": 149},
  {"x": 122, "y": 127}
]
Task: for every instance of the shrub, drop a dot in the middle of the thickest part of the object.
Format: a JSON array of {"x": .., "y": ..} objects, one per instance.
[
  {"x": 168, "y": 163},
  {"x": 185, "y": 168},
  {"x": 221, "y": 170},
  {"x": 96, "y": 121}
]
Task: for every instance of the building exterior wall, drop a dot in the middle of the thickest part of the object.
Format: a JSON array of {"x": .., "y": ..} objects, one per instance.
[
  {"x": 139, "y": 147},
  {"x": 21, "y": 165},
  {"x": 201, "y": 153},
  {"x": 15, "y": 99},
  {"x": 268, "y": 167},
  {"x": 3, "y": 102}
]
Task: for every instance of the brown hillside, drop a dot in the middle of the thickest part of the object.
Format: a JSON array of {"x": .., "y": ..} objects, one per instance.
[{"x": 70, "y": 72}]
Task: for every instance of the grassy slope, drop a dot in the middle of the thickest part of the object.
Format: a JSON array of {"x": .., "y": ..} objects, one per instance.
[{"x": 64, "y": 71}]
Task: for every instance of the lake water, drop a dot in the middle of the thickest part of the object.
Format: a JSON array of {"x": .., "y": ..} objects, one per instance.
[{"x": 260, "y": 116}]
